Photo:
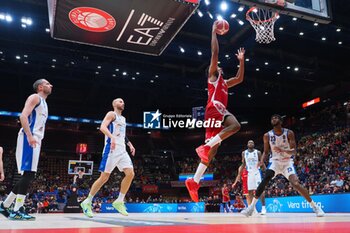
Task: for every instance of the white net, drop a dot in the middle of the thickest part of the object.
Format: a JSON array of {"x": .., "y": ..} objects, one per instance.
[{"x": 263, "y": 22}]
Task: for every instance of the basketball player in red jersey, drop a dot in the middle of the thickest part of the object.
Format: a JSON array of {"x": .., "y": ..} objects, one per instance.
[
  {"x": 225, "y": 198},
  {"x": 216, "y": 110},
  {"x": 242, "y": 174}
]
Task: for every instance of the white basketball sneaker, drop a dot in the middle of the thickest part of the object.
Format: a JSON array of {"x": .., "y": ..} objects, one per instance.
[
  {"x": 263, "y": 210},
  {"x": 318, "y": 210},
  {"x": 248, "y": 211}
]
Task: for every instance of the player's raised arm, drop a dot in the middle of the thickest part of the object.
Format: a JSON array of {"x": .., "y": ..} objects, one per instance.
[
  {"x": 214, "y": 54},
  {"x": 240, "y": 73},
  {"x": 110, "y": 116}
]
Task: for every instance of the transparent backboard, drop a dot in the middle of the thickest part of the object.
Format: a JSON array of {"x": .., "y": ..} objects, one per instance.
[
  {"x": 74, "y": 166},
  {"x": 312, "y": 10}
]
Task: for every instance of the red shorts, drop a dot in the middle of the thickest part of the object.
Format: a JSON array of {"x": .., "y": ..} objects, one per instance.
[
  {"x": 218, "y": 115},
  {"x": 245, "y": 184}
]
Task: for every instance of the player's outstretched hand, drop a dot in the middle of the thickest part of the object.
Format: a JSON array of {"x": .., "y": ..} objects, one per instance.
[{"x": 240, "y": 54}]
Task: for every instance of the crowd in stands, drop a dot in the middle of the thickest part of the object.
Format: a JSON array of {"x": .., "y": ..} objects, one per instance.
[{"x": 322, "y": 164}]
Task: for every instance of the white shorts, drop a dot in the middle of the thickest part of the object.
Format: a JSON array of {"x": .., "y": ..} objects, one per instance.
[
  {"x": 110, "y": 160},
  {"x": 254, "y": 179},
  {"x": 27, "y": 157},
  {"x": 284, "y": 168}
]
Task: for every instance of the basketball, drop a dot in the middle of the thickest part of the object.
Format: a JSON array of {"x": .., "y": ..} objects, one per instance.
[
  {"x": 222, "y": 27},
  {"x": 92, "y": 20}
]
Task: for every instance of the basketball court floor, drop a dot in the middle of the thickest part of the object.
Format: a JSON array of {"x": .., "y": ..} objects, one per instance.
[{"x": 179, "y": 222}]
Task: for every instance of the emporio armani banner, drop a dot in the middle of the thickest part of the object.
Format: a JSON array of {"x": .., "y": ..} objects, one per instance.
[{"x": 141, "y": 26}]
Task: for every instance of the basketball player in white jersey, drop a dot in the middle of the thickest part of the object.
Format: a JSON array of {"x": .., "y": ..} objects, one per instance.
[
  {"x": 250, "y": 160},
  {"x": 114, "y": 155},
  {"x": 280, "y": 143},
  {"x": 2, "y": 173},
  {"x": 33, "y": 119}
]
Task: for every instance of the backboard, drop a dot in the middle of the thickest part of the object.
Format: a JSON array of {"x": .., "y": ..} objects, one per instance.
[
  {"x": 74, "y": 166},
  {"x": 313, "y": 10}
]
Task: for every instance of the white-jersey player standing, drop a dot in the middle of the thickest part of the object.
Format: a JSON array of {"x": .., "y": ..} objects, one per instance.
[
  {"x": 250, "y": 160},
  {"x": 33, "y": 119},
  {"x": 280, "y": 144},
  {"x": 114, "y": 155}
]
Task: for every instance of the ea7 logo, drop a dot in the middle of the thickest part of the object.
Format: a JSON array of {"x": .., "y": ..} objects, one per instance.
[
  {"x": 145, "y": 33},
  {"x": 147, "y": 28},
  {"x": 148, "y": 18}
]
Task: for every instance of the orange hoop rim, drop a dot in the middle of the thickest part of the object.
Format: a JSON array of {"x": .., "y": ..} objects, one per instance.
[{"x": 260, "y": 21}]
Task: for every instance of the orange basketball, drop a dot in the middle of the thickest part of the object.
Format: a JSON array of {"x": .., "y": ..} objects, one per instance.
[{"x": 222, "y": 27}]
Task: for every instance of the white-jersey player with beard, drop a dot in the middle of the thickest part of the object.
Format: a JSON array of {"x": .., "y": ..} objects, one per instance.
[{"x": 281, "y": 145}]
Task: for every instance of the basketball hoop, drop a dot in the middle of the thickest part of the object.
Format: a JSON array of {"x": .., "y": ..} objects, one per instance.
[{"x": 263, "y": 22}]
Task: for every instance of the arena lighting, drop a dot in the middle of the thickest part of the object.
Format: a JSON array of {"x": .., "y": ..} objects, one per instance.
[
  {"x": 233, "y": 16},
  {"x": 200, "y": 14},
  {"x": 240, "y": 22},
  {"x": 199, "y": 53},
  {"x": 207, "y": 2},
  {"x": 244, "y": 122},
  {"x": 8, "y": 18},
  {"x": 219, "y": 17},
  {"x": 223, "y": 6},
  {"x": 311, "y": 102},
  {"x": 27, "y": 21}
]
